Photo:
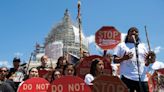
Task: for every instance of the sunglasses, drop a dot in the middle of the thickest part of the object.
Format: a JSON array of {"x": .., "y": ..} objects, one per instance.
[{"x": 3, "y": 70}]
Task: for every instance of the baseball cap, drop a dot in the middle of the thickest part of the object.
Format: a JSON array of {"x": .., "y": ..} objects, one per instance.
[{"x": 16, "y": 59}]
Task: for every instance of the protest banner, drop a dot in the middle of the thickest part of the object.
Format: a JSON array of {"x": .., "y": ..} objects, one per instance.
[
  {"x": 85, "y": 64},
  {"x": 107, "y": 37},
  {"x": 69, "y": 84},
  {"x": 42, "y": 73},
  {"x": 106, "y": 83},
  {"x": 34, "y": 85}
]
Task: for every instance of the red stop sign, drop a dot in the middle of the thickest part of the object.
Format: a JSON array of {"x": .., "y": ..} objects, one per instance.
[
  {"x": 69, "y": 84},
  {"x": 84, "y": 66},
  {"x": 106, "y": 83},
  {"x": 34, "y": 85},
  {"x": 107, "y": 37}
]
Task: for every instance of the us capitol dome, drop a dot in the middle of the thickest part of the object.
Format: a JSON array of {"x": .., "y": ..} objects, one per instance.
[
  {"x": 66, "y": 35},
  {"x": 61, "y": 40}
]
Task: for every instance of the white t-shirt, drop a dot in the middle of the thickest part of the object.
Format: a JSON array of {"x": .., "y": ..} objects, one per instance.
[
  {"x": 88, "y": 79},
  {"x": 157, "y": 65},
  {"x": 129, "y": 68}
]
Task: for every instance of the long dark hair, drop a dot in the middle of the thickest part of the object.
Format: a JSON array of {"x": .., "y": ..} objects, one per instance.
[
  {"x": 137, "y": 39},
  {"x": 93, "y": 67},
  {"x": 27, "y": 75},
  {"x": 59, "y": 60},
  {"x": 66, "y": 66},
  {"x": 53, "y": 73}
]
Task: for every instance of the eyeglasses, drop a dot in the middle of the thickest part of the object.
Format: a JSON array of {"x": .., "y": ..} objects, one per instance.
[{"x": 3, "y": 70}]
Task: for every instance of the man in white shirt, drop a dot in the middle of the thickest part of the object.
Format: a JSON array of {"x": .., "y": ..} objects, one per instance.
[{"x": 132, "y": 55}]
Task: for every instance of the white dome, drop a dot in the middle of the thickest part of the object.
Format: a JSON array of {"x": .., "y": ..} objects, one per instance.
[
  {"x": 76, "y": 33},
  {"x": 67, "y": 33}
]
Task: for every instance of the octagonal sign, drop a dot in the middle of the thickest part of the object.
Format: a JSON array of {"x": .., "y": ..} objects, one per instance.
[{"x": 107, "y": 37}]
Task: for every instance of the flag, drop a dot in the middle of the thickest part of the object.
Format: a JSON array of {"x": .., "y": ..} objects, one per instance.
[{"x": 73, "y": 59}]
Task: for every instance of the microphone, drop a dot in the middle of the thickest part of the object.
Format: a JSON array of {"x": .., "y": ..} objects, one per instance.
[{"x": 134, "y": 39}]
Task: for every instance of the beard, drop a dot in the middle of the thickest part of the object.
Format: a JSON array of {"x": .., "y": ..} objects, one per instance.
[{"x": 3, "y": 76}]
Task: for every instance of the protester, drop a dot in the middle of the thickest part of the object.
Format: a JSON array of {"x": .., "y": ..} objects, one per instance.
[
  {"x": 3, "y": 73},
  {"x": 56, "y": 75},
  {"x": 132, "y": 66},
  {"x": 85, "y": 54},
  {"x": 96, "y": 69},
  {"x": 44, "y": 70},
  {"x": 44, "y": 60},
  {"x": 33, "y": 72},
  {"x": 62, "y": 61},
  {"x": 69, "y": 70},
  {"x": 5, "y": 84},
  {"x": 16, "y": 71}
]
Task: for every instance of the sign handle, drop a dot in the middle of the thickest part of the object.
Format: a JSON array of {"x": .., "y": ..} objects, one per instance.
[
  {"x": 105, "y": 51},
  {"x": 147, "y": 39},
  {"x": 79, "y": 24},
  {"x": 29, "y": 63}
]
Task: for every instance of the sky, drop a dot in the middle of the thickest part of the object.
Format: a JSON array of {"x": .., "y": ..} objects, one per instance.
[{"x": 23, "y": 23}]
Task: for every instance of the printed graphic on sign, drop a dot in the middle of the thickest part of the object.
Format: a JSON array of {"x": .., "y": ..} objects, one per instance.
[
  {"x": 85, "y": 65},
  {"x": 34, "y": 85},
  {"x": 107, "y": 37},
  {"x": 69, "y": 84},
  {"x": 42, "y": 73},
  {"x": 105, "y": 83}
]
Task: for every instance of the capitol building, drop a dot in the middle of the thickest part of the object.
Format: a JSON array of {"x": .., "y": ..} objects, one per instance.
[{"x": 61, "y": 40}]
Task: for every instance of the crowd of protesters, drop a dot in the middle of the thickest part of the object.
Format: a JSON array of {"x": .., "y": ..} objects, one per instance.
[
  {"x": 11, "y": 79},
  {"x": 124, "y": 54}
]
